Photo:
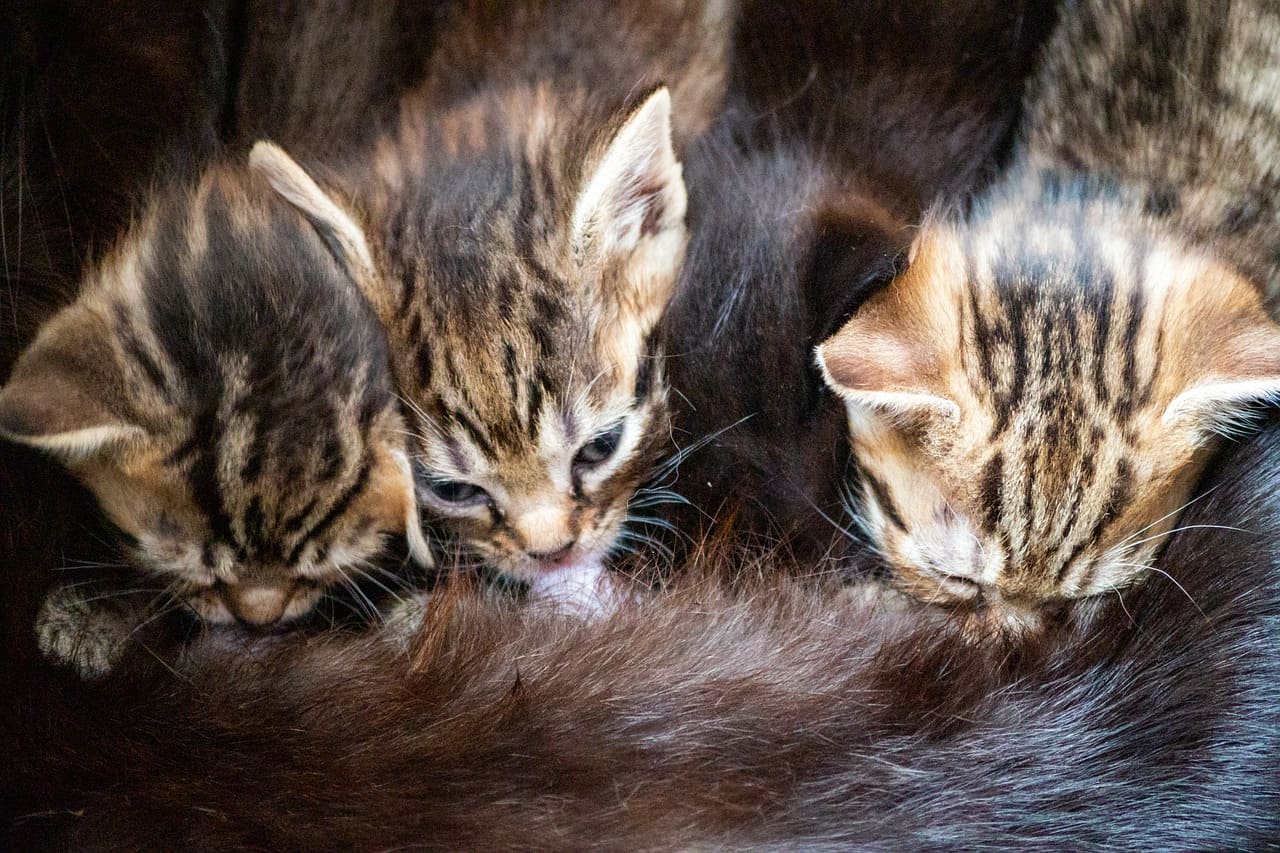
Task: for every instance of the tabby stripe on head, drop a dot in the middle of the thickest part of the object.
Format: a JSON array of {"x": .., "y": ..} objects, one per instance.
[
  {"x": 535, "y": 393},
  {"x": 1123, "y": 405},
  {"x": 423, "y": 357},
  {"x": 992, "y": 491},
  {"x": 203, "y": 477},
  {"x": 252, "y": 466},
  {"x": 1103, "y": 293},
  {"x": 1121, "y": 494},
  {"x": 135, "y": 350},
  {"x": 472, "y": 428},
  {"x": 339, "y": 506},
  {"x": 885, "y": 500}
]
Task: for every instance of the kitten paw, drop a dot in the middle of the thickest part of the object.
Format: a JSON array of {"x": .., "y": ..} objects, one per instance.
[
  {"x": 403, "y": 622},
  {"x": 72, "y": 631},
  {"x": 878, "y": 594}
]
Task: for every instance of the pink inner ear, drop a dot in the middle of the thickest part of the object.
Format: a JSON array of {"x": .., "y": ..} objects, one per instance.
[
  {"x": 38, "y": 409},
  {"x": 860, "y": 361}
]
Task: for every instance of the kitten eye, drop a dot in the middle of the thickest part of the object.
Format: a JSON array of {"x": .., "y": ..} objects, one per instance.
[
  {"x": 598, "y": 449},
  {"x": 456, "y": 491}
]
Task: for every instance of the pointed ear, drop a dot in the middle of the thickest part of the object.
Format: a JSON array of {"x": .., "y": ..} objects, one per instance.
[
  {"x": 879, "y": 372},
  {"x": 891, "y": 358},
  {"x": 1241, "y": 376},
  {"x": 637, "y": 190},
  {"x": 336, "y": 228},
  {"x": 419, "y": 550},
  {"x": 1221, "y": 360},
  {"x": 859, "y": 248},
  {"x": 56, "y": 402}
]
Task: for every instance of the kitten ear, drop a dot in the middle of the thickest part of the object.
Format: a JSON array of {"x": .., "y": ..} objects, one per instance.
[
  {"x": 1243, "y": 377},
  {"x": 637, "y": 189},
  {"x": 419, "y": 550},
  {"x": 55, "y": 402},
  {"x": 336, "y": 228},
  {"x": 877, "y": 371},
  {"x": 890, "y": 358},
  {"x": 1225, "y": 350}
]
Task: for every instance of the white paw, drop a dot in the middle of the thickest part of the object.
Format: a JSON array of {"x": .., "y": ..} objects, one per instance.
[
  {"x": 875, "y": 593},
  {"x": 72, "y": 631}
]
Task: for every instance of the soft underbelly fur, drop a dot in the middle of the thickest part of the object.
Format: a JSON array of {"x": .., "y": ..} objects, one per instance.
[{"x": 778, "y": 717}]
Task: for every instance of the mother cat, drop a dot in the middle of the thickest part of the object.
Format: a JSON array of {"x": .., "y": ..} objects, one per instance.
[{"x": 783, "y": 720}]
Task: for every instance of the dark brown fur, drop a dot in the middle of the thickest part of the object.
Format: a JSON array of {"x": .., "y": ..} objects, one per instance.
[
  {"x": 781, "y": 718},
  {"x": 850, "y": 119}
]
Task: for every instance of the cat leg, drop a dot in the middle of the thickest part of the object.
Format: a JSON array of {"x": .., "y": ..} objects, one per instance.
[{"x": 87, "y": 629}]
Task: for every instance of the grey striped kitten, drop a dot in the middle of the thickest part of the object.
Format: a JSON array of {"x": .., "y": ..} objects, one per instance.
[
  {"x": 1033, "y": 400},
  {"x": 222, "y": 387}
]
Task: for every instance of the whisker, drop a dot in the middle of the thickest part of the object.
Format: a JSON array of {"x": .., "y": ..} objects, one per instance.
[
  {"x": 1140, "y": 531},
  {"x": 1175, "y": 582},
  {"x": 1131, "y": 545}
]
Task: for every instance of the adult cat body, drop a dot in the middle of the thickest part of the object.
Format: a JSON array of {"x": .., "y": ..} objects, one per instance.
[{"x": 788, "y": 719}]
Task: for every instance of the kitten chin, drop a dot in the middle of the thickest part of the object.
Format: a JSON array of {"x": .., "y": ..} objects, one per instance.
[{"x": 587, "y": 590}]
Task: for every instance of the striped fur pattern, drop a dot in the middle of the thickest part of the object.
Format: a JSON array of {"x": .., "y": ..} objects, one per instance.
[
  {"x": 224, "y": 391},
  {"x": 529, "y": 216},
  {"x": 1033, "y": 400},
  {"x": 1181, "y": 101}
]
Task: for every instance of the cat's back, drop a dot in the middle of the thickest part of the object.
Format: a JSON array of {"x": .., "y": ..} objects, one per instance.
[
  {"x": 607, "y": 52},
  {"x": 1180, "y": 100}
]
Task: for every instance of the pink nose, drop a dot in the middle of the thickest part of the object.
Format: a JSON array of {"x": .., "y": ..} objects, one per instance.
[
  {"x": 258, "y": 606},
  {"x": 556, "y": 557}
]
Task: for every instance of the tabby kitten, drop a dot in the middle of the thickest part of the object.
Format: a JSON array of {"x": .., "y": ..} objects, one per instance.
[
  {"x": 223, "y": 389},
  {"x": 528, "y": 213},
  {"x": 1033, "y": 400}
]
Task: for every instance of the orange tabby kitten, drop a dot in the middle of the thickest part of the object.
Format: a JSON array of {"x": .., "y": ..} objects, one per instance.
[{"x": 1033, "y": 401}]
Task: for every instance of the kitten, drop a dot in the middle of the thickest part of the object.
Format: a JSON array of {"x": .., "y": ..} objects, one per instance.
[
  {"x": 1033, "y": 401},
  {"x": 527, "y": 211},
  {"x": 223, "y": 390},
  {"x": 806, "y": 197}
]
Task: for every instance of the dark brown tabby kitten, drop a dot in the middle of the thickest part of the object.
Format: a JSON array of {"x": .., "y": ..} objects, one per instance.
[
  {"x": 1035, "y": 399},
  {"x": 223, "y": 389},
  {"x": 527, "y": 213}
]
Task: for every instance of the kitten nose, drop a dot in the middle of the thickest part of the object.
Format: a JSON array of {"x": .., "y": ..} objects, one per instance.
[
  {"x": 258, "y": 606},
  {"x": 557, "y": 556}
]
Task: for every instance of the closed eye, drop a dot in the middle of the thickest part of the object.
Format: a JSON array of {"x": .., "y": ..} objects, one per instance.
[{"x": 598, "y": 449}]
